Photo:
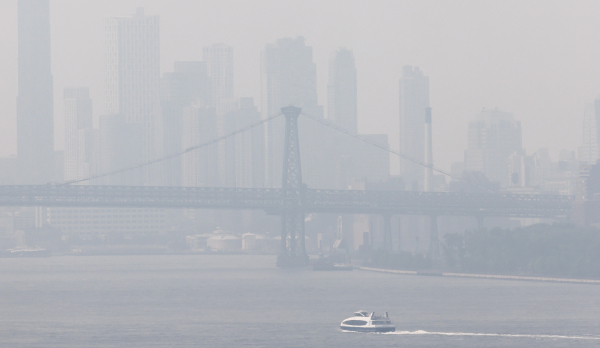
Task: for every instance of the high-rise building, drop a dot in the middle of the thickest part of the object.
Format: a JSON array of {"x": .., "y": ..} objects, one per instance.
[
  {"x": 133, "y": 80},
  {"x": 79, "y": 134},
  {"x": 188, "y": 84},
  {"x": 35, "y": 122},
  {"x": 244, "y": 153},
  {"x": 289, "y": 77},
  {"x": 414, "y": 100},
  {"x": 589, "y": 152},
  {"x": 120, "y": 146},
  {"x": 219, "y": 63},
  {"x": 494, "y": 136},
  {"x": 199, "y": 167},
  {"x": 341, "y": 91}
]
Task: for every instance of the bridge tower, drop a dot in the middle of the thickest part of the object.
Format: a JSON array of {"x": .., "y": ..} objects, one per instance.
[{"x": 293, "y": 252}]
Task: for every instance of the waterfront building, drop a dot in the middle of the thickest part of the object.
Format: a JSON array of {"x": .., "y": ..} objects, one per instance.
[
  {"x": 35, "y": 121},
  {"x": 126, "y": 222}
]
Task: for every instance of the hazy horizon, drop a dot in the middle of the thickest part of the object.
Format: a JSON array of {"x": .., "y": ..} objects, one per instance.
[{"x": 534, "y": 59}]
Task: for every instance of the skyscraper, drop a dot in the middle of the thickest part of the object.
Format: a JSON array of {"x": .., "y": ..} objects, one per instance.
[
  {"x": 244, "y": 153},
  {"x": 133, "y": 78},
  {"x": 219, "y": 63},
  {"x": 494, "y": 136},
  {"x": 414, "y": 99},
  {"x": 289, "y": 77},
  {"x": 199, "y": 167},
  {"x": 35, "y": 123},
  {"x": 589, "y": 152},
  {"x": 341, "y": 91},
  {"x": 78, "y": 133},
  {"x": 188, "y": 84}
]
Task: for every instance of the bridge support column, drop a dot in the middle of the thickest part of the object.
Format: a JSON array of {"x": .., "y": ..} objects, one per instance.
[
  {"x": 434, "y": 244},
  {"x": 387, "y": 233},
  {"x": 293, "y": 252}
]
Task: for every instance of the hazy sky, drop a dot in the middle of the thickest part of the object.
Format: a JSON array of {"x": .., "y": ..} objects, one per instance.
[{"x": 536, "y": 59}]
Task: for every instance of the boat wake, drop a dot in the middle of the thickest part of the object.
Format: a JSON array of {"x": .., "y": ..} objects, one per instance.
[{"x": 421, "y": 332}]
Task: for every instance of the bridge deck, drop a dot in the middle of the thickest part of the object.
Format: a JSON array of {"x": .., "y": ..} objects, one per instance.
[{"x": 270, "y": 200}]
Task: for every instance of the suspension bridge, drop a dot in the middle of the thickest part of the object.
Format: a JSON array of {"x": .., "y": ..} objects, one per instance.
[{"x": 294, "y": 200}]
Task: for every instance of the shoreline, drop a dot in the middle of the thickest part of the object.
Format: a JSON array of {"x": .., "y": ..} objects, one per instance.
[{"x": 484, "y": 276}]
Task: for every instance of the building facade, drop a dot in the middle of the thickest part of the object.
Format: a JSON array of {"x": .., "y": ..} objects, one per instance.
[
  {"x": 219, "y": 62},
  {"x": 79, "y": 134},
  {"x": 244, "y": 153},
  {"x": 133, "y": 81},
  {"x": 107, "y": 221},
  {"x": 199, "y": 167},
  {"x": 341, "y": 91},
  {"x": 414, "y": 100},
  {"x": 494, "y": 136},
  {"x": 589, "y": 152},
  {"x": 188, "y": 84}
]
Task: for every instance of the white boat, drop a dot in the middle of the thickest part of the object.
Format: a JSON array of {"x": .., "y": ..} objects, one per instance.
[{"x": 364, "y": 322}]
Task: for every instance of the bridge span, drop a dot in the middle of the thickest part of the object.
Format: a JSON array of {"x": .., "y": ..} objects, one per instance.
[{"x": 272, "y": 200}]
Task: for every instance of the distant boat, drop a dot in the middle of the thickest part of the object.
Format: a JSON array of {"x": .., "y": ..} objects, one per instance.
[
  {"x": 326, "y": 264},
  {"x": 37, "y": 252},
  {"x": 364, "y": 322}
]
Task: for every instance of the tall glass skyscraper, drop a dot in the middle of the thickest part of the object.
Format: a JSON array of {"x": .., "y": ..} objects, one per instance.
[
  {"x": 133, "y": 82},
  {"x": 35, "y": 122}
]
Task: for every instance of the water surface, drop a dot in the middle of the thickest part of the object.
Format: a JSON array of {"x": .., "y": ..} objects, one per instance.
[{"x": 244, "y": 301}]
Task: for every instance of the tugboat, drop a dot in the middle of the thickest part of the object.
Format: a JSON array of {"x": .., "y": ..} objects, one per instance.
[
  {"x": 327, "y": 264},
  {"x": 364, "y": 322}
]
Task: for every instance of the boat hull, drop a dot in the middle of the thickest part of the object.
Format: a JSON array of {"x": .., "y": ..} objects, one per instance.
[{"x": 368, "y": 328}]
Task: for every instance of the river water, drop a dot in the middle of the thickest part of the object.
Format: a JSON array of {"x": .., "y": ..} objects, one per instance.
[{"x": 244, "y": 301}]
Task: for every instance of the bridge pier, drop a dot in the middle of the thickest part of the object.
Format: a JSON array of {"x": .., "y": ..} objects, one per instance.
[
  {"x": 434, "y": 244},
  {"x": 387, "y": 232},
  {"x": 293, "y": 251}
]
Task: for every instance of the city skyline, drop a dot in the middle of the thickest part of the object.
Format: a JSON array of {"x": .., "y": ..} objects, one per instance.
[{"x": 525, "y": 101}]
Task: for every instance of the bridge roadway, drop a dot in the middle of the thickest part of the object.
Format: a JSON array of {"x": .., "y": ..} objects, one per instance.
[{"x": 270, "y": 200}]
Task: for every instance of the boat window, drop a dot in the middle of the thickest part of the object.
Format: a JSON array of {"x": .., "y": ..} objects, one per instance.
[
  {"x": 379, "y": 322},
  {"x": 355, "y": 322}
]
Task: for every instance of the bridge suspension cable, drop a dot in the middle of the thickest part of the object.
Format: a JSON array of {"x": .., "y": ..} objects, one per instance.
[
  {"x": 177, "y": 154},
  {"x": 414, "y": 160}
]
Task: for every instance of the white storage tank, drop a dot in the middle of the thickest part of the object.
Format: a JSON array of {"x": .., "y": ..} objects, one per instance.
[{"x": 249, "y": 241}]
